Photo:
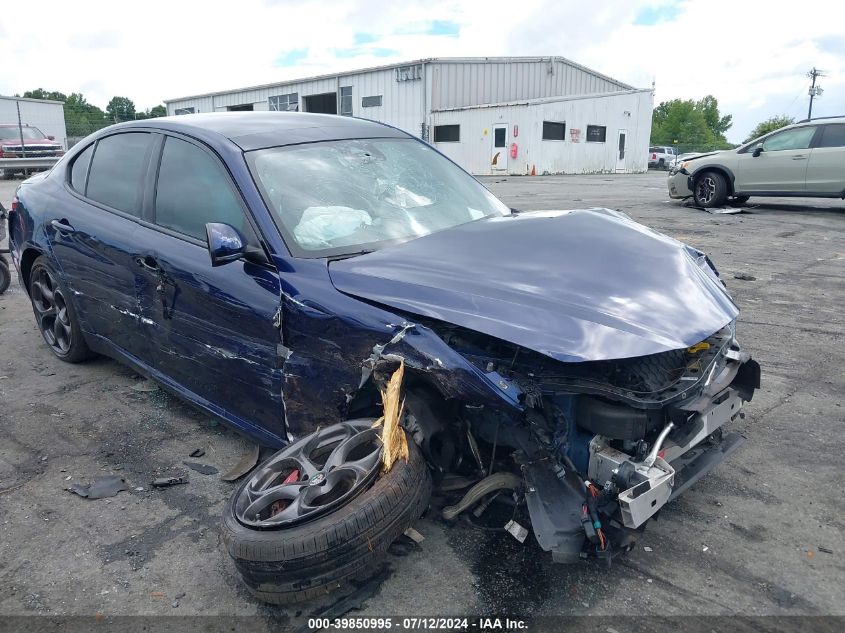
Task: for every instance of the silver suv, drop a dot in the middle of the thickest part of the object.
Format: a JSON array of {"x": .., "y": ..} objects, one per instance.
[{"x": 805, "y": 159}]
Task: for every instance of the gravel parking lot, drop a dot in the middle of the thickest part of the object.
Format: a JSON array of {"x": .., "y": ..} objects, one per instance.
[{"x": 763, "y": 534}]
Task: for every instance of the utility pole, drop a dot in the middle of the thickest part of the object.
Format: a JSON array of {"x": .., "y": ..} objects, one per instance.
[{"x": 815, "y": 91}]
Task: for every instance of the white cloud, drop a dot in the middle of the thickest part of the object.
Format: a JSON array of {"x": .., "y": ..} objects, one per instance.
[{"x": 751, "y": 54}]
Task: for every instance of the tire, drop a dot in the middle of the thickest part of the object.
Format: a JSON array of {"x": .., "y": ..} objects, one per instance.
[
  {"x": 710, "y": 190},
  {"x": 309, "y": 560},
  {"x": 661, "y": 165},
  {"x": 54, "y": 314},
  {"x": 5, "y": 276}
]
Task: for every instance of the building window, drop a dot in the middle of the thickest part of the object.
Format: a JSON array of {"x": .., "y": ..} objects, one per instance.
[
  {"x": 371, "y": 102},
  {"x": 178, "y": 111},
  {"x": 346, "y": 100},
  {"x": 285, "y": 103},
  {"x": 554, "y": 130},
  {"x": 447, "y": 133},
  {"x": 596, "y": 133},
  {"x": 409, "y": 73}
]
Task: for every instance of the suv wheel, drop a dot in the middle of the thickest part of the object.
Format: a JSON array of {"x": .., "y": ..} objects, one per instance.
[{"x": 710, "y": 190}]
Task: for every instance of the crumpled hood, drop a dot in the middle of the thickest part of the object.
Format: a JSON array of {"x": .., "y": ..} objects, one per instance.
[{"x": 574, "y": 285}]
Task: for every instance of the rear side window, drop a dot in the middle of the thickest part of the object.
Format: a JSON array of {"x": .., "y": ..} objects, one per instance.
[
  {"x": 194, "y": 189},
  {"x": 79, "y": 170},
  {"x": 117, "y": 171},
  {"x": 833, "y": 135}
]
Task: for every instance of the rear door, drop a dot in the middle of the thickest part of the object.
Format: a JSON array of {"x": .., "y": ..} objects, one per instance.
[
  {"x": 826, "y": 168},
  {"x": 212, "y": 328},
  {"x": 781, "y": 166},
  {"x": 93, "y": 236}
]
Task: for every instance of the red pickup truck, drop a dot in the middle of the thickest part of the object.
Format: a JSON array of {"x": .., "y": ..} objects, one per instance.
[{"x": 25, "y": 141}]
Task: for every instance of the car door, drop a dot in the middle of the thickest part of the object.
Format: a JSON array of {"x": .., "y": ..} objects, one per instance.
[
  {"x": 781, "y": 165},
  {"x": 92, "y": 235},
  {"x": 826, "y": 167},
  {"x": 211, "y": 328}
]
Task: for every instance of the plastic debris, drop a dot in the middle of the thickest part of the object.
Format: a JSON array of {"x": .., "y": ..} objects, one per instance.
[
  {"x": 825, "y": 550},
  {"x": 164, "y": 482},
  {"x": 516, "y": 530},
  {"x": 197, "y": 452},
  {"x": 415, "y": 536},
  {"x": 647, "y": 549},
  {"x": 744, "y": 277},
  {"x": 244, "y": 465},
  {"x": 102, "y": 487},
  {"x": 205, "y": 469}
]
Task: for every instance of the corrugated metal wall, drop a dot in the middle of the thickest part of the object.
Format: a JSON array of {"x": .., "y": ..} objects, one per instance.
[
  {"x": 49, "y": 117},
  {"x": 463, "y": 83},
  {"x": 402, "y": 101},
  {"x": 630, "y": 111}
]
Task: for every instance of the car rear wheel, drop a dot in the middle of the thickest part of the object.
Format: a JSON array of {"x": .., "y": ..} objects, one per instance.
[
  {"x": 318, "y": 514},
  {"x": 54, "y": 314},
  {"x": 5, "y": 276},
  {"x": 710, "y": 190}
]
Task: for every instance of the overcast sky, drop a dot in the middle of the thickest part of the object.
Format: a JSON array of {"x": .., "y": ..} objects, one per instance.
[{"x": 752, "y": 55}]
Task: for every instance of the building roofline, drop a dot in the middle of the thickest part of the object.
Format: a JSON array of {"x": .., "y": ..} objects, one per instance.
[
  {"x": 425, "y": 60},
  {"x": 540, "y": 100},
  {"x": 50, "y": 101}
]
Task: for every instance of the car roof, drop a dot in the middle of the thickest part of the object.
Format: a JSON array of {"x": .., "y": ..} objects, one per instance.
[{"x": 257, "y": 130}]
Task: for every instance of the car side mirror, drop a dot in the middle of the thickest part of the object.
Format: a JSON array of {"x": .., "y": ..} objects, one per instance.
[
  {"x": 757, "y": 151},
  {"x": 51, "y": 138},
  {"x": 225, "y": 243}
]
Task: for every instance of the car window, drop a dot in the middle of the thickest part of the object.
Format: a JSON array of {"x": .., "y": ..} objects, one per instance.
[
  {"x": 79, "y": 170},
  {"x": 14, "y": 133},
  {"x": 794, "y": 138},
  {"x": 833, "y": 135},
  {"x": 346, "y": 196},
  {"x": 117, "y": 170},
  {"x": 192, "y": 190}
]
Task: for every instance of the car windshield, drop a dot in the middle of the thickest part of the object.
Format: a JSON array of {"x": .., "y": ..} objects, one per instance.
[
  {"x": 344, "y": 197},
  {"x": 15, "y": 133}
]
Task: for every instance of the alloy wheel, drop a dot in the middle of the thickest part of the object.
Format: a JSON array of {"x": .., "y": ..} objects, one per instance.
[
  {"x": 51, "y": 311},
  {"x": 705, "y": 190},
  {"x": 312, "y": 476}
]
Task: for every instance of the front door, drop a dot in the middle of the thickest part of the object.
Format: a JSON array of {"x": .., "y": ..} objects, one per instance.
[
  {"x": 781, "y": 165},
  {"x": 212, "y": 329},
  {"x": 499, "y": 160},
  {"x": 620, "y": 150}
]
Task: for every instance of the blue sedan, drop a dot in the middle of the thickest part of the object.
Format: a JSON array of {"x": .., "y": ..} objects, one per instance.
[{"x": 274, "y": 269}]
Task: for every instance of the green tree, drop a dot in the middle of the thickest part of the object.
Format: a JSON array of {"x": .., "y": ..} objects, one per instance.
[
  {"x": 158, "y": 111},
  {"x": 690, "y": 124},
  {"x": 769, "y": 125},
  {"x": 121, "y": 109},
  {"x": 40, "y": 93}
]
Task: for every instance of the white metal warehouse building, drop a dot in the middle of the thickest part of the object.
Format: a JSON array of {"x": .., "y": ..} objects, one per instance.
[
  {"x": 47, "y": 116},
  {"x": 491, "y": 115}
]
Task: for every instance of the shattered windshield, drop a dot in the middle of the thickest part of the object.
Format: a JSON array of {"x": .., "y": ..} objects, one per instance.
[{"x": 358, "y": 195}]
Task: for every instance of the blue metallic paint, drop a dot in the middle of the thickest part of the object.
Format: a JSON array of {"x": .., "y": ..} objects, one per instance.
[{"x": 277, "y": 349}]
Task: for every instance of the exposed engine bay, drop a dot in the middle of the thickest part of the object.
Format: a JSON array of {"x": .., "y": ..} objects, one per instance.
[{"x": 597, "y": 448}]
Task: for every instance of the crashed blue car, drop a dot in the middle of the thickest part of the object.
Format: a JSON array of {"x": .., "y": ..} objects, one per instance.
[{"x": 280, "y": 270}]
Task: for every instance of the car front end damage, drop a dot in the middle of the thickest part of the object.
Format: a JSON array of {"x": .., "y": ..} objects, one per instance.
[
  {"x": 602, "y": 446},
  {"x": 596, "y": 384}
]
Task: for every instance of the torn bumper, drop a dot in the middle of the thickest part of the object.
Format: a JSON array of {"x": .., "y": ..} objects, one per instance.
[{"x": 679, "y": 184}]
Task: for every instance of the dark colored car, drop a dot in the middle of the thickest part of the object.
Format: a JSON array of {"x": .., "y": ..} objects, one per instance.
[
  {"x": 276, "y": 269},
  {"x": 25, "y": 141}
]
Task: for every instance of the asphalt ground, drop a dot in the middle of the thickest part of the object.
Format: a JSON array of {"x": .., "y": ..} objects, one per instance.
[{"x": 761, "y": 535}]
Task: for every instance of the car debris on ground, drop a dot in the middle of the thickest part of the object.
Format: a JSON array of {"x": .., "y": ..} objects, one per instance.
[{"x": 103, "y": 486}]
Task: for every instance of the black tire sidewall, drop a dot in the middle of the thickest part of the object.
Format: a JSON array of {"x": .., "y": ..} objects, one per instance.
[
  {"x": 5, "y": 277},
  {"x": 78, "y": 350}
]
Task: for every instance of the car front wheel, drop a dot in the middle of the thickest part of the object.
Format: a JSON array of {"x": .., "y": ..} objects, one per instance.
[{"x": 710, "y": 190}]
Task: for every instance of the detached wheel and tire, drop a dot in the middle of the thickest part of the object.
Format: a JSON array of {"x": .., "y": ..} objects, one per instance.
[
  {"x": 54, "y": 314},
  {"x": 318, "y": 513},
  {"x": 710, "y": 190}
]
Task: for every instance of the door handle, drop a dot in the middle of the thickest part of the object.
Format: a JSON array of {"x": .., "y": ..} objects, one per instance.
[
  {"x": 149, "y": 262},
  {"x": 799, "y": 158},
  {"x": 62, "y": 226}
]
